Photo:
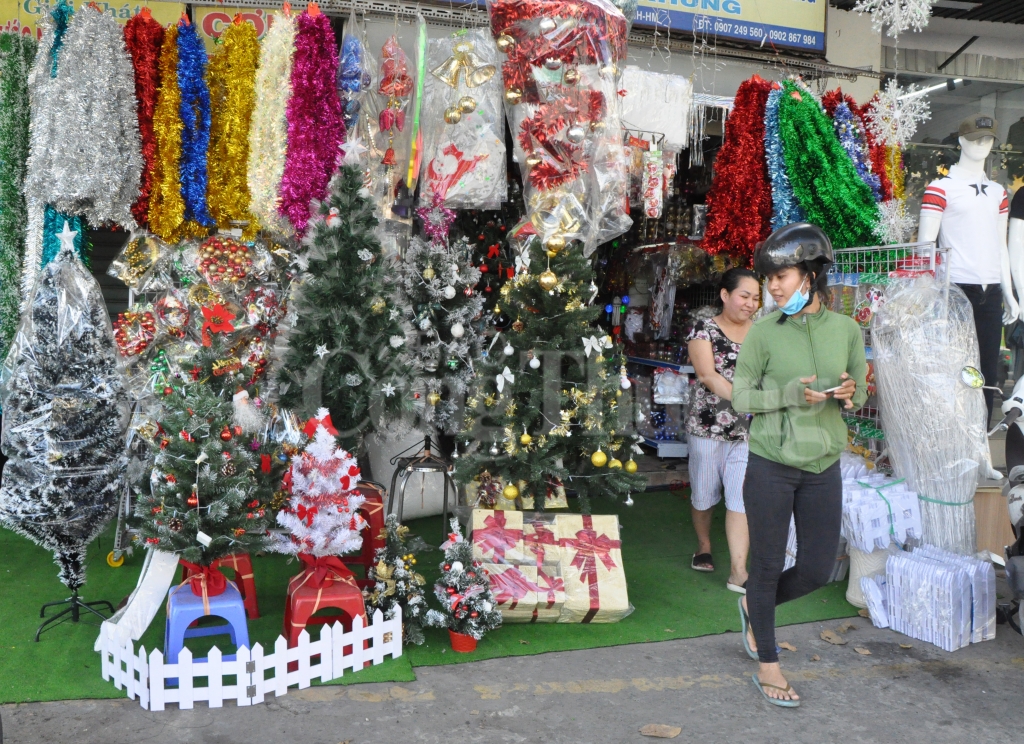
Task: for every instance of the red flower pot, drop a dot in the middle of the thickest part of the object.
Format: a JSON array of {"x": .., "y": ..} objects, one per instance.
[{"x": 461, "y": 643}]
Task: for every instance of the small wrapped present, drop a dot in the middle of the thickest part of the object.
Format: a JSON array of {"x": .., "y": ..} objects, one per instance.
[
  {"x": 515, "y": 590},
  {"x": 550, "y": 594},
  {"x": 540, "y": 543},
  {"x": 498, "y": 536},
  {"x": 595, "y": 582}
]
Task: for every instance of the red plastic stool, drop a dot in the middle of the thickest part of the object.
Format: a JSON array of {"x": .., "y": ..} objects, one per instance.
[
  {"x": 373, "y": 512},
  {"x": 338, "y": 590},
  {"x": 241, "y": 564}
]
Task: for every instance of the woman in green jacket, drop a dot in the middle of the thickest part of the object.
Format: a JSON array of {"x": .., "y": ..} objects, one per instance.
[{"x": 798, "y": 369}]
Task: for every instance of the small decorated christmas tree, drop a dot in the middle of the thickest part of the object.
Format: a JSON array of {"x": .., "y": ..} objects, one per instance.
[
  {"x": 396, "y": 582},
  {"x": 436, "y": 285},
  {"x": 464, "y": 591},
  {"x": 321, "y": 513}
]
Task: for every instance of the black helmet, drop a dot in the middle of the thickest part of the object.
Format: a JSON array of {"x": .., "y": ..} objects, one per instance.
[{"x": 792, "y": 245}]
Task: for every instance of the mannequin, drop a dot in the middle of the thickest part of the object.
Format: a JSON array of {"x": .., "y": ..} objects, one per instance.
[{"x": 968, "y": 214}]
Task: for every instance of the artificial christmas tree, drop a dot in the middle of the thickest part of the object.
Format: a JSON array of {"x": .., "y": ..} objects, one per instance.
[
  {"x": 348, "y": 349},
  {"x": 396, "y": 582},
  {"x": 464, "y": 591},
  {"x": 548, "y": 405}
]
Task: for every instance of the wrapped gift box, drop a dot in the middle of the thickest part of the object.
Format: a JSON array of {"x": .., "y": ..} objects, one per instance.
[
  {"x": 540, "y": 541},
  {"x": 515, "y": 590},
  {"x": 550, "y": 594},
  {"x": 595, "y": 582},
  {"x": 498, "y": 537},
  {"x": 555, "y": 498}
]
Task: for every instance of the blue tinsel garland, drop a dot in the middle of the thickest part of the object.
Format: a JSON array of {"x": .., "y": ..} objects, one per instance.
[
  {"x": 855, "y": 144},
  {"x": 195, "y": 120},
  {"x": 61, "y": 16},
  {"x": 785, "y": 209},
  {"x": 53, "y": 223}
]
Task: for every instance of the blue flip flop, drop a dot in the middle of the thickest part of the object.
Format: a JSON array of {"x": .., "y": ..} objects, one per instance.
[
  {"x": 775, "y": 701},
  {"x": 745, "y": 622}
]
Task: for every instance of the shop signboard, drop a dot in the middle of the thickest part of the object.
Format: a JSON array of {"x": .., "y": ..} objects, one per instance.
[{"x": 23, "y": 15}]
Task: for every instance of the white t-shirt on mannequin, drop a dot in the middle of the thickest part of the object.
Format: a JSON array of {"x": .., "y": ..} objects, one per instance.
[{"x": 970, "y": 209}]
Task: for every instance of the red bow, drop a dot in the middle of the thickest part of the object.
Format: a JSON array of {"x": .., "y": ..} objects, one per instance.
[
  {"x": 305, "y": 514},
  {"x": 510, "y": 586},
  {"x": 551, "y": 585},
  {"x": 456, "y": 599},
  {"x": 313, "y": 423},
  {"x": 324, "y": 568},
  {"x": 495, "y": 537},
  {"x": 590, "y": 547},
  {"x": 265, "y": 463},
  {"x": 536, "y": 541}
]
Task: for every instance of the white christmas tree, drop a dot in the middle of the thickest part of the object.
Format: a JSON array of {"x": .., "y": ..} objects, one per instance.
[{"x": 321, "y": 513}]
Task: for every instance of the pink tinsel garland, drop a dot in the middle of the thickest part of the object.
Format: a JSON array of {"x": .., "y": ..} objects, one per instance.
[{"x": 315, "y": 126}]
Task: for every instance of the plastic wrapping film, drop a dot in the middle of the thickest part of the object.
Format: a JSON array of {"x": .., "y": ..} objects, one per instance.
[
  {"x": 354, "y": 80},
  {"x": 923, "y": 336},
  {"x": 546, "y": 567},
  {"x": 65, "y": 412},
  {"x": 561, "y": 80},
  {"x": 657, "y": 103}
]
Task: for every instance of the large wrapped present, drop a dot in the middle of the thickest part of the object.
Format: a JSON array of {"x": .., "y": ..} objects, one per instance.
[
  {"x": 498, "y": 536},
  {"x": 550, "y": 594},
  {"x": 540, "y": 542},
  {"x": 515, "y": 590},
  {"x": 595, "y": 582}
]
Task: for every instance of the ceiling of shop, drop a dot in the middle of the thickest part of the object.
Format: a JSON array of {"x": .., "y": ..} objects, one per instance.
[{"x": 996, "y": 11}]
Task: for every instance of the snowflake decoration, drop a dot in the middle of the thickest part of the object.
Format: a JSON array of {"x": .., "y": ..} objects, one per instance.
[
  {"x": 896, "y": 15},
  {"x": 365, "y": 255},
  {"x": 321, "y": 351},
  {"x": 353, "y": 380},
  {"x": 394, "y": 313},
  {"x": 388, "y": 389},
  {"x": 895, "y": 223},
  {"x": 353, "y": 151},
  {"x": 396, "y": 341},
  {"x": 895, "y": 113}
]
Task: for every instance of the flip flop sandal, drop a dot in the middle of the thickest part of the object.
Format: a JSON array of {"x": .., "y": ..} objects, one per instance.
[
  {"x": 745, "y": 622},
  {"x": 738, "y": 588},
  {"x": 703, "y": 562},
  {"x": 775, "y": 701}
]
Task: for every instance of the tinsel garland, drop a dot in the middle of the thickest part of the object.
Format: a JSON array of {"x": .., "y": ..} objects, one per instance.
[
  {"x": 876, "y": 151},
  {"x": 93, "y": 101},
  {"x": 785, "y": 209},
  {"x": 823, "y": 176},
  {"x": 268, "y": 133},
  {"x": 853, "y": 141},
  {"x": 740, "y": 200},
  {"x": 315, "y": 126},
  {"x": 195, "y": 123},
  {"x": 17, "y": 53},
  {"x": 894, "y": 170},
  {"x": 233, "y": 95},
  {"x": 61, "y": 16},
  {"x": 166, "y": 205},
  {"x": 143, "y": 37}
]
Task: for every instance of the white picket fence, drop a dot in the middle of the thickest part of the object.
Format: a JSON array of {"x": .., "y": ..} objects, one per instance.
[{"x": 146, "y": 677}]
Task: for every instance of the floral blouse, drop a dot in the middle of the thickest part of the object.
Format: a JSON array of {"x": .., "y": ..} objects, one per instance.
[{"x": 710, "y": 416}]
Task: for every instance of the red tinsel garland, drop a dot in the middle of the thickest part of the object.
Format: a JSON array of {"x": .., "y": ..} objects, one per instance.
[
  {"x": 143, "y": 37},
  {"x": 740, "y": 200},
  {"x": 876, "y": 150}
]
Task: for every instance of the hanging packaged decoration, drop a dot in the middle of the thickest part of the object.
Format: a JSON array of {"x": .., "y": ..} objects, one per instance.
[
  {"x": 464, "y": 144},
  {"x": 144, "y": 37},
  {"x": 660, "y": 103},
  {"x": 561, "y": 82},
  {"x": 652, "y": 185},
  {"x": 353, "y": 74}
]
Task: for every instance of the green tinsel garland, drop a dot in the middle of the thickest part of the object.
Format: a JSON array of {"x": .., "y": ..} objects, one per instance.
[
  {"x": 823, "y": 176},
  {"x": 16, "y": 55}
]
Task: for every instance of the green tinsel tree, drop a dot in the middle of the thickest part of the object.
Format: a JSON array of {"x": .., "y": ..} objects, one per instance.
[
  {"x": 823, "y": 176},
  {"x": 548, "y": 407},
  {"x": 348, "y": 349},
  {"x": 397, "y": 583},
  {"x": 17, "y": 53}
]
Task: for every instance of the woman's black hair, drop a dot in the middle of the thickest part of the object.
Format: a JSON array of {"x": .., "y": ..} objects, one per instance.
[{"x": 731, "y": 280}]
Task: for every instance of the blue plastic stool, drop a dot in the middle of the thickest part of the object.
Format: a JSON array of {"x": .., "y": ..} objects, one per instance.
[{"x": 184, "y": 607}]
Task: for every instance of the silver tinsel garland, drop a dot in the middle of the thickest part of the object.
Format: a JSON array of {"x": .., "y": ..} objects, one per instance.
[{"x": 86, "y": 152}]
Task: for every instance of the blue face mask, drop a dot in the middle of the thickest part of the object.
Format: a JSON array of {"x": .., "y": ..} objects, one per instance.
[{"x": 796, "y": 303}]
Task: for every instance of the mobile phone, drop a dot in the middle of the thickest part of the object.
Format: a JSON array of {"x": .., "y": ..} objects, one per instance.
[{"x": 831, "y": 390}]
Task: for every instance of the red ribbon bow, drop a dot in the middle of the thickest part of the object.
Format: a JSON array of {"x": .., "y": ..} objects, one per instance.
[
  {"x": 323, "y": 569},
  {"x": 314, "y": 422},
  {"x": 456, "y": 599},
  {"x": 551, "y": 585},
  {"x": 493, "y": 536},
  {"x": 306, "y": 514},
  {"x": 536, "y": 541}
]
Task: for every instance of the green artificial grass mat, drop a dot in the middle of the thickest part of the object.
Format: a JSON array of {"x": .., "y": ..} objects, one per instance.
[{"x": 671, "y": 600}]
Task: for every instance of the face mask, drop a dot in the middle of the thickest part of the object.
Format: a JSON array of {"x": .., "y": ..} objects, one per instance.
[{"x": 796, "y": 303}]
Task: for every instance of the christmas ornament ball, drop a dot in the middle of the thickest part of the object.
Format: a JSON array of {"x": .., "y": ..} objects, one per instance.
[
  {"x": 453, "y": 115},
  {"x": 555, "y": 243},
  {"x": 428, "y": 273},
  {"x": 553, "y": 63},
  {"x": 494, "y": 450},
  {"x": 457, "y": 566},
  {"x": 168, "y": 390},
  {"x": 449, "y": 292},
  {"x": 534, "y": 159},
  {"x": 518, "y": 326},
  {"x": 192, "y": 501},
  {"x": 510, "y": 492},
  {"x": 599, "y": 459},
  {"x": 535, "y": 363},
  {"x": 630, "y": 466},
  {"x": 175, "y": 525},
  {"x": 506, "y": 43},
  {"x": 525, "y": 439},
  {"x": 548, "y": 280},
  {"x": 433, "y": 398},
  {"x": 513, "y": 95},
  {"x": 458, "y": 331},
  {"x": 467, "y": 104},
  {"x": 571, "y": 76},
  {"x": 225, "y": 434},
  {"x": 575, "y": 134},
  {"x": 508, "y": 350},
  {"x": 614, "y": 464}
]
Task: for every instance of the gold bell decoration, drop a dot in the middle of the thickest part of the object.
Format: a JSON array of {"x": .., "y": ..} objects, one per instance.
[
  {"x": 599, "y": 459},
  {"x": 548, "y": 280},
  {"x": 534, "y": 159},
  {"x": 433, "y": 398},
  {"x": 452, "y": 115},
  {"x": 506, "y": 43},
  {"x": 464, "y": 61},
  {"x": 510, "y": 492},
  {"x": 467, "y": 104},
  {"x": 630, "y": 466},
  {"x": 614, "y": 464}
]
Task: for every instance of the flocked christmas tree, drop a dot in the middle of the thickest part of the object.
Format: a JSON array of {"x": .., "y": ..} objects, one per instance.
[
  {"x": 348, "y": 349},
  {"x": 397, "y": 583},
  {"x": 464, "y": 591},
  {"x": 437, "y": 287},
  {"x": 548, "y": 407},
  {"x": 321, "y": 514},
  {"x": 65, "y": 412}
]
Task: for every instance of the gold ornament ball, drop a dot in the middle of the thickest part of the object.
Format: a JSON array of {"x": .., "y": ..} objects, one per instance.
[
  {"x": 378, "y": 306},
  {"x": 599, "y": 459},
  {"x": 525, "y": 439},
  {"x": 614, "y": 464},
  {"x": 572, "y": 76},
  {"x": 630, "y": 466},
  {"x": 548, "y": 280},
  {"x": 467, "y": 104},
  {"x": 555, "y": 243},
  {"x": 433, "y": 398},
  {"x": 506, "y": 43},
  {"x": 453, "y": 115},
  {"x": 513, "y": 95},
  {"x": 534, "y": 159},
  {"x": 510, "y": 492},
  {"x": 428, "y": 273}
]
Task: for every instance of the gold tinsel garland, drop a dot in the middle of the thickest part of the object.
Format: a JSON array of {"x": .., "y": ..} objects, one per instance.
[
  {"x": 894, "y": 170},
  {"x": 232, "y": 80},
  {"x": 166, "y": 205}
]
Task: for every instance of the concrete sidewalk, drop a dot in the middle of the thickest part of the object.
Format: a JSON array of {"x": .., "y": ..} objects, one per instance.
[{"x": 702, "y": 685}]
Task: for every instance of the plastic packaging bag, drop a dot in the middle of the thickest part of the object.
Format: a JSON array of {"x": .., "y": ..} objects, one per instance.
[{"x": 353, "y": 74}]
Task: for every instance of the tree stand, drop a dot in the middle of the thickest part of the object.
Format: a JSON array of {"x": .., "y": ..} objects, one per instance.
[{"x": 74, "y": 606}]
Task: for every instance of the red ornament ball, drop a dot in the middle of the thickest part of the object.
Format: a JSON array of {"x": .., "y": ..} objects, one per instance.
[
  {"x": 193, "y": 501},
  {"x": 484, "y": 269},
  {"x": 237, "y": 430},
  {"x": 474, "y": 614},
  {"x": 225, "y": 434},
  {"x": 447, "y": 567},
  {"x": 450, "y": 590},
  {"x": 168, "y": 390}
]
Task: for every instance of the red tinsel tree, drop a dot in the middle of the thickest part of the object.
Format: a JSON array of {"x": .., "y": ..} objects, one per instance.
[
  {"x": 143, "y": 37},
  {"x": 740, "y": 200},
  {"x": 876, "y": 152}
]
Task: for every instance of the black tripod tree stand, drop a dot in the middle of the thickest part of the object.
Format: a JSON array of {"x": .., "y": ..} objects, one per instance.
[
  {"x": 424, "y": 461},
  {"x": 74, "y": 606}
]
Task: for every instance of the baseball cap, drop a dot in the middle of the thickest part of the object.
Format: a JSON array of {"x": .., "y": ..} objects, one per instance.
[{"x": 977, "y": 126}]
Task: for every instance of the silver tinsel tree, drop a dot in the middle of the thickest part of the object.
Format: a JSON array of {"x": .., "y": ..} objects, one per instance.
[
  {"x": 65, "y": 412},
  {"x": 436, "y": 284}
]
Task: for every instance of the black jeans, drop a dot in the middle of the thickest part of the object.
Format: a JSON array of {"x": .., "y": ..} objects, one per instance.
[
  {"x": 771, "y": 493},
  {"x": 988, "y": 321}
]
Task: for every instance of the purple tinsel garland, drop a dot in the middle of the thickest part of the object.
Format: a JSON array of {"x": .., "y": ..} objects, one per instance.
[
  {"x": 315, "y": 126},
  {"x": 855, "y": 144}
]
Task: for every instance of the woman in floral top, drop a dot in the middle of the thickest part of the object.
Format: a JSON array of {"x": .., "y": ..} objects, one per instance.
[{"x": 716, "y": 434}]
